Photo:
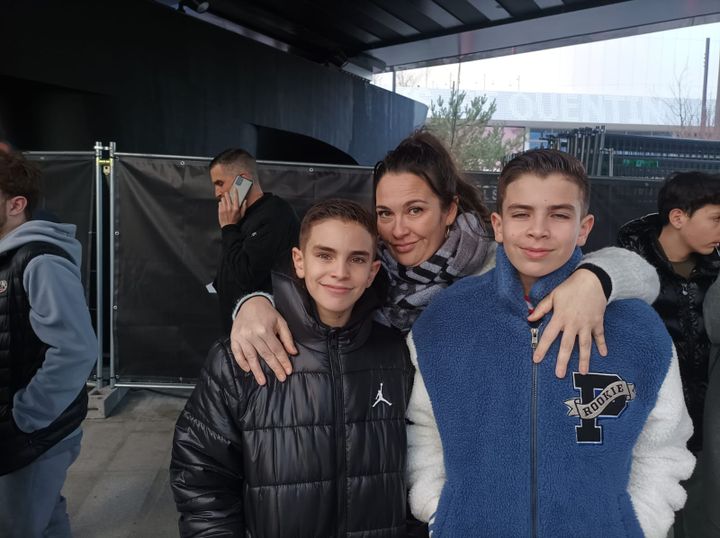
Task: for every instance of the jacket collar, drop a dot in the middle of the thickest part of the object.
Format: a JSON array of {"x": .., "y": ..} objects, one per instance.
[
  {"x": 509, "y": 285},
  {"x": 297, "y": 307},
  {"x": 642, "y": 236}
]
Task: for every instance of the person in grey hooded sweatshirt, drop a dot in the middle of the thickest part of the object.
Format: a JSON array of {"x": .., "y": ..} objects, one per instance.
[{"x": 47, "y": 350}]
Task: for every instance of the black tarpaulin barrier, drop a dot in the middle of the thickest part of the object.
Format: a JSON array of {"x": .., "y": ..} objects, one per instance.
[
  {"x": 167, "y": 246},
  {"x": 168, "y": 241},
  {"x": 302, "y": 185},
  {"x": 613, "y": 202},
  {"x": 67, "y": 188}
]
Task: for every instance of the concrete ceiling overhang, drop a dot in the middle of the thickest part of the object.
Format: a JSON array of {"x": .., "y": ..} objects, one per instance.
[
  {"x": 371, "y": 36},
  {"x": 584, "y": 25}
]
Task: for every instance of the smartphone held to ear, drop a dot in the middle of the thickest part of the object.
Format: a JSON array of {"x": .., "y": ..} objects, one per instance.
[{"x": 242, "y": 187}]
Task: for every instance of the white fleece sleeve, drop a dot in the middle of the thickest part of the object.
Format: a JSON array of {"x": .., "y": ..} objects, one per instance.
[
  {"x": 631, "y": 276},
  {"x": 661, "y": 459},
  {"x": 425, "y": 466},
  {"x": 60, "y": 318}
]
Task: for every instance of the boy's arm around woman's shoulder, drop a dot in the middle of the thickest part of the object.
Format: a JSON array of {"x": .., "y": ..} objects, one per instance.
[
  {"x": 425, "y": 464},
  {"x": 661, "y": 459},
  {"x": 206, "y": 470}
]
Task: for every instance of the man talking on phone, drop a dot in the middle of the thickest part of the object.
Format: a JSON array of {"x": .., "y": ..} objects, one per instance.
[{"x": 257, "y": 229}]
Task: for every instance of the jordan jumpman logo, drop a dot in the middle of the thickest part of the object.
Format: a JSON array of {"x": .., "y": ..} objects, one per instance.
[{"x": 380, "y": 398}]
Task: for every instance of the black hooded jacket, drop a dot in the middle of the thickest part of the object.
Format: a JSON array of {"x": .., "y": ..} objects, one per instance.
[
  {"x": 680, "y": 305},
  {"x": 316, "y": 456}
]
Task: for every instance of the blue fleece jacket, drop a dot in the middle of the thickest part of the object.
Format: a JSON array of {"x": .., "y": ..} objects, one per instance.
[
  {"x": 519, "y": 460},
  {"x": 59, "y": 317}
]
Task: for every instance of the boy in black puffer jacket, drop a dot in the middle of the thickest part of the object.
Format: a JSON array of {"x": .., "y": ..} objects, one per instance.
[
  {"x": 323, "y": 453},
  {"x": 680, "y": 241}
]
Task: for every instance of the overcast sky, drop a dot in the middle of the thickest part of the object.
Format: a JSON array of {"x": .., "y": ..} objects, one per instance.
[{"x": 645, "y": 65}]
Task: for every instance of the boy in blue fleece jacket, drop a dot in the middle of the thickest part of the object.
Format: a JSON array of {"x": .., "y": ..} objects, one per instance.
[{"x": 500, "y": 446}]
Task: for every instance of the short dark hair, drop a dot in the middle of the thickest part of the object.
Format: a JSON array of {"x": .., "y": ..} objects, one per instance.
[
  {"x": 236, "y": 158},
  {"x": 688, "y": 191},
  {"x": 423, "y": 154},
  {"x": 338, "y": 209},
  {"x": 542, "y": 163},
  {"x": 19, "y": 177}
]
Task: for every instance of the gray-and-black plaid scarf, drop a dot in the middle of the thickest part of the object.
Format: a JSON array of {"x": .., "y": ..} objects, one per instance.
[{"x": 463, "y": 253}]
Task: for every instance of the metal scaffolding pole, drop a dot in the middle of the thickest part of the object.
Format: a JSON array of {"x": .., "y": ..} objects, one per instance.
[
  {"x": 703, "y": 111},
  {"x": 99, "y": 317},
  {"x": 598, "y": 171},
  {"x": 113, "y": 236}
]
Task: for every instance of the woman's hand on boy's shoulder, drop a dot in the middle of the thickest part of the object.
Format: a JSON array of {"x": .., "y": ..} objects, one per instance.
[
  {"x": 578, "y": 306},
  {"x": 260, "y": 333}
]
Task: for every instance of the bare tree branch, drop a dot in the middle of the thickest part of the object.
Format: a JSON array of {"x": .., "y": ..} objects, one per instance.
[{"x": 465, "y": 128}]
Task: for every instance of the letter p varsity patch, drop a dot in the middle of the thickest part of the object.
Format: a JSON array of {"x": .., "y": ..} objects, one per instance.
[{"x": 601, "y": 396}]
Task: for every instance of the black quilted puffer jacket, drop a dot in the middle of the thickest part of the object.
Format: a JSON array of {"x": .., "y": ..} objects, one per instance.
[
  {"x": 319, "y": 455},
  {"x": 680, "y": 305}
]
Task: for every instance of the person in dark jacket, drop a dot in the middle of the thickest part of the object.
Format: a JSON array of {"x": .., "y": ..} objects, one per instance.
[
  {"x": 47, "y": 349},
  {"x": 322, "y": 454},
  {"x": 679, "y": 241},
  {"x": 256, "y": 231},
  {"x": 711, "y": 441}
]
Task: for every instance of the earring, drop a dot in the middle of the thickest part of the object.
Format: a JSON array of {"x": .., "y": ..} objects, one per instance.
[{"x": 447, "y": 232}]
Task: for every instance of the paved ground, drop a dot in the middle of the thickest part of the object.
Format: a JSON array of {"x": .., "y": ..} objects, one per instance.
[{"x": 118, "y": 487}]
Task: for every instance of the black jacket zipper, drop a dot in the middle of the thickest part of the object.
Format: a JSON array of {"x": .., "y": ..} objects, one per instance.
[{"x": 339, "y": 419}]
